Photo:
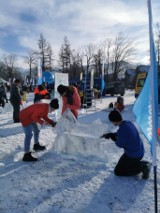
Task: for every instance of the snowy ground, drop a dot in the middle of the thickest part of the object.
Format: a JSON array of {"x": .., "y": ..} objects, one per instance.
[{"x": 71, "y": 182}]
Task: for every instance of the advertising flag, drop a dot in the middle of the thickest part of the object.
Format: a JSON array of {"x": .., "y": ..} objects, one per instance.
[
  {"x": 146, "y": 105},
  {"x": 39, "y": 73}
]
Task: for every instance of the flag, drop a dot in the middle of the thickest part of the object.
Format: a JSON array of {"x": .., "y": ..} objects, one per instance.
[
  {"x": 102, "y": 78},
  {"x": 25, "y": 81},
  {"x": 92, "y": 79},
  {"x": 146, "y": 105},
  {"x": 103, "y": 67},
  {"x": 39, "y": 73}
]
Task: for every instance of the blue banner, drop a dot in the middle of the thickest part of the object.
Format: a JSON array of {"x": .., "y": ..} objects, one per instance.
[
  {"x": 142, "y": 109},
  {"x": 146, "y": 106}
]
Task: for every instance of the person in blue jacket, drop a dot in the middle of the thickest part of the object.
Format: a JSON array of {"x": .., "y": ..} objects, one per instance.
[{"x": 127, "y": 137}]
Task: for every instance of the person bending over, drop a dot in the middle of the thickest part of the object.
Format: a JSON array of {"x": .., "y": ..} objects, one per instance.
[
  {"x": 70, "y": 98},
  {"x": 29, "y": 118}
]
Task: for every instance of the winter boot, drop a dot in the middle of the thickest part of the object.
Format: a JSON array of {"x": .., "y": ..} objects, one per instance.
[
  {"x": 146, "y": 167},
  {"x": 29, "y": 158},
  {"x": 38, "y": 147}
]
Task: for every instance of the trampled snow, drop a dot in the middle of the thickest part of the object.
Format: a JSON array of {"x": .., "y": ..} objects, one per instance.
[{"x": 75, "y": 173}]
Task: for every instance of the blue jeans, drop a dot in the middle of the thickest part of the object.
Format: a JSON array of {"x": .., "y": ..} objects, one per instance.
[{"x": 28, "y": 131}]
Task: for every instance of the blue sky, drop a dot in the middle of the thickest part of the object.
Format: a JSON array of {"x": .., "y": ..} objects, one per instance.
[{"x": 83, "y": 22}]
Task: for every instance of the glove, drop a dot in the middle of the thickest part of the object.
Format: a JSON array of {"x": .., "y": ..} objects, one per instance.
[
  {"x": 106, "y": 136},
  {"x": 53, "y": 124},
  {"x": 20, "y": 103},
  {"x": 113, "y": 136}
]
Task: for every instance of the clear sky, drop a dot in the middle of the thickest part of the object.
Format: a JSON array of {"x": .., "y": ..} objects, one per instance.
[{"x": 82, "y": 21}]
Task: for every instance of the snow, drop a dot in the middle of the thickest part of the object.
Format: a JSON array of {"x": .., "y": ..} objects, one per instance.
[{"x": 69, "y": 180}]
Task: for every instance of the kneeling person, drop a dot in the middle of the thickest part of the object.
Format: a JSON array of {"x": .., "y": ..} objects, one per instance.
[
  {"x": 29, "y": 117},
  {"x": 127, "y": 137}
]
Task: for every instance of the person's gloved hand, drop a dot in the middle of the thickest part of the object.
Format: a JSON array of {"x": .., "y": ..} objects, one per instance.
[
  {"x": 113, "y": 136},
  {"x": 53, "y": 124},
  {"x": 106, "y": 136}
]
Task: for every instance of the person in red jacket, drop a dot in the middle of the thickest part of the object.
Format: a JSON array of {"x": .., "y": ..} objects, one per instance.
[
  {"x": 70, "y": 98},
  {"x": 29, "y": 118}
]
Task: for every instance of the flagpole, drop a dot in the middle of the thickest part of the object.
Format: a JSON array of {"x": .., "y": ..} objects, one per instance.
[
  {"x": 154, "y": 97},
  {"x": 155, "y": 189}
]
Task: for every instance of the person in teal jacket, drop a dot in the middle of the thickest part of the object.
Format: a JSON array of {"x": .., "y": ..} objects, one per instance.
[{"x": 127, "y": 137}]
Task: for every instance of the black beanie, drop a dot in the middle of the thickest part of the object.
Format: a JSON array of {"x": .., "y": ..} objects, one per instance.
[
  {"x": 61, "y": 89},
  {"x": 41, "y": 87},
  {"x": 115, "y": 116},
  {"x": 17, "y": 81},
  {"x": 54, "y": 103}
]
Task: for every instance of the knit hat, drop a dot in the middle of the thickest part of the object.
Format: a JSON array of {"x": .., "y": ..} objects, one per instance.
[
  {"x": 115, "y": 116},
  {"x": 17, "y": 81},
  {"x": 41, "y": 87},
  {"x": 54, "y": 103},
  {"x": 61, "y": 89}
]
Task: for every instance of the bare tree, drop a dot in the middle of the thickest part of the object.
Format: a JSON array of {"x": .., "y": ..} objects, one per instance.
[
  {"x": 44, "y": 46},
  {"x": 98, "y": 61},
  {"x": 76, "y": 65},
  {"x": 9, "y": 61},
  {"x": 50, "y": 59},
  {"x": 65, "y": 56},
  {"x": 30, "y": 59},
  {"x": 88, "y": 52},
  {"x": 3, "y": 71},
  {"x": 123, "y": 52}
]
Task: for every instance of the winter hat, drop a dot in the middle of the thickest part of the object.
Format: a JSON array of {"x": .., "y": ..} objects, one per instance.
[
  {"x": 17, "y": 81},
  {"x": 54, "y": 103},
  {"x": 41, "y": 87},
  {"x": 61, "y": 89},
  {"x": 115, "y": 116}
]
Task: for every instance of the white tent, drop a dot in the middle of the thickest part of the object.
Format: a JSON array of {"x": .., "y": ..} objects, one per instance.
[{"x": 2, "y": 81}]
